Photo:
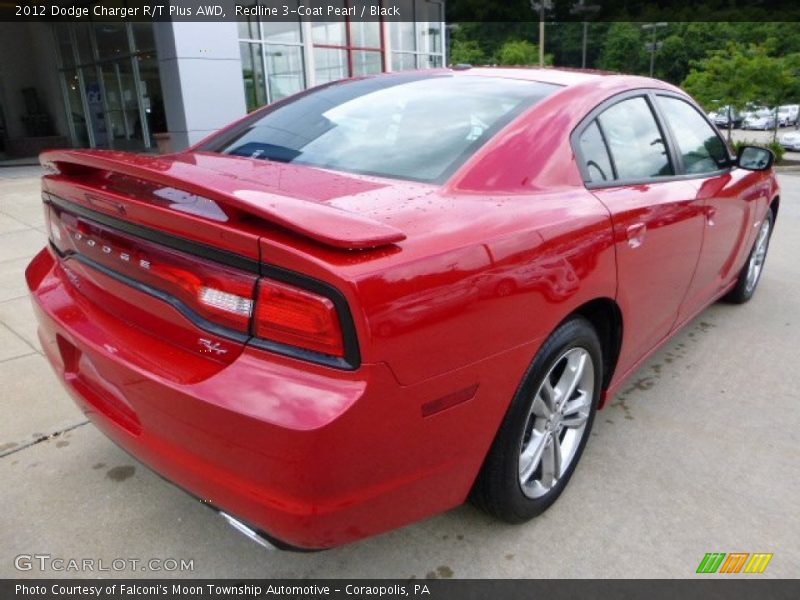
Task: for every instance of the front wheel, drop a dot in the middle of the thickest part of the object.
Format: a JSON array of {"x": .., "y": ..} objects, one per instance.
[
  {"x": 546, "y": 427},
  {"x": 750, "y": 274}
]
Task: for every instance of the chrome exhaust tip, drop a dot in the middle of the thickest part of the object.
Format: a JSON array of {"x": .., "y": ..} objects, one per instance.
[{"x": 247, "y": 531}]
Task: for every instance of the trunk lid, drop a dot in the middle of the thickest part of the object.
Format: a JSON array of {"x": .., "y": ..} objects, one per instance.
[{"x": 173, "y": 245}]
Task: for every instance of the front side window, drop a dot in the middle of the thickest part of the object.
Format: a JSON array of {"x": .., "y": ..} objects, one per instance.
[
  {"x": 701, "y": 149},
  {"x": 635, "y": 141},
  {"x": 412, "y": 126}
]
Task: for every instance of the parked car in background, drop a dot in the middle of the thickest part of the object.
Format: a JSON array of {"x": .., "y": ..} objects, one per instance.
[
  {"x": 363, "y": 304},
  {"x": 787, "y": 114},
  {"x": 725, "y": 115},
  {"x": 790, "y": 141},
  {"x": 763, "y": 119}
]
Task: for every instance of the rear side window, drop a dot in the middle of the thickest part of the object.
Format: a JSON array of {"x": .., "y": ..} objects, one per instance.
[
  {"x": 594, "y": 155},
  {"x": 701, "y": 149},
  {"x": 635, "y": 141}
]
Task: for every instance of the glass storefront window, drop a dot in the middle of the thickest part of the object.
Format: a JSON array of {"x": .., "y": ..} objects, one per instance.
[
  {"x": 279, "y": 32},
  {"x": 402, "y": 32},
  {"x": 429, "y": 61},
  {"x": 96, "y": 112},
  {"x": 329, "y": 64},
  {"x": 329, "y": 34},
  {"x": 273, "y": 63},
  {"x": 113, "y": 97},
  {"x": 366, "y": 63},
  {"x": 150, "y": 91},
  {"x": 403, "y": 62},
  {"x": 111, "y": 39},
  {"x": 64, "y": 44},
  {"x": 84, "y": 42},
  {"x": 248, "y": 30},
  {"x": 285, "y": 70},
  {"x": 418, "y": 44},
  {"x": 365, "y": 34},
  {"x": 282, "y": 32},
  {"x": 75, "y": 107},
  {"x": 253, "y": 72},
  {"x": 122, "y": 104},
  {"x": 143, "y": 36},
  {"x": 429, "y": 26},
  {"x": 429, "y": 37}
]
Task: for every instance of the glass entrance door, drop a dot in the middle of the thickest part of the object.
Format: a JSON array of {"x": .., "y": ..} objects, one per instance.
[
  {"x": 122, "y": 105},
  {"x": 110, "y": 84}
]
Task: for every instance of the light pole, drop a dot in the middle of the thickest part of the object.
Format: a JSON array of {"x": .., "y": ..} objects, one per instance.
[
  {"x": 540, "y": 7},
  {"x": 653, "y": 45},
  {"x": 581, "y": 8}
]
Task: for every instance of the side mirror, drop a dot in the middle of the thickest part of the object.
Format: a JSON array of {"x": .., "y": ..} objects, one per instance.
[{"x": 754, "y": 158}]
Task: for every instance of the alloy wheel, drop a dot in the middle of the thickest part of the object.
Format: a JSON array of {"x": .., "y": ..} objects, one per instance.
[
  {"x": 756, "y": 263},
  {"x": 556, "y": 422}
]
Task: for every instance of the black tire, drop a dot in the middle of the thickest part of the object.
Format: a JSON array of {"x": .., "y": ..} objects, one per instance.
[
  {"x": 742, "y": 292},
  {"x": 498, "y": 489}
]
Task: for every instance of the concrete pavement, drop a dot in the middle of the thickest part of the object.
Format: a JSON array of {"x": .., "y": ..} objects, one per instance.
[{"x": 699, "y": 454}]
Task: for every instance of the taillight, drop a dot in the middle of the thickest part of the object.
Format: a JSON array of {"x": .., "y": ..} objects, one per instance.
[
  {"x": 293, "y": 316},
  {"x": 215, "y": 292},
  {"x": 219, "y": 294},
  {"x": 280, "y": 316}
]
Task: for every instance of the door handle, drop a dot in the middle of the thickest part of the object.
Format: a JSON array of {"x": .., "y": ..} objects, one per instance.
[{"x": 635, "y": 234}]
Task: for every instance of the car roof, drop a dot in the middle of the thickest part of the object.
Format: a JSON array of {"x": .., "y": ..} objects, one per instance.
[
  {"x": 569, "y": 78},
  {"x": 561, "y": 76}
]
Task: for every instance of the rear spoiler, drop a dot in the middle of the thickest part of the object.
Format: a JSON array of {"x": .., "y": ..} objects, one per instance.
[{"x": 314, "y": 220}]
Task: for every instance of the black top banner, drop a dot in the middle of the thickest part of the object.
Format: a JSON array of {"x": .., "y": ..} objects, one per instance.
[
  {"x": 339, "y": 589},
  {"x": 401, "y": 10}
]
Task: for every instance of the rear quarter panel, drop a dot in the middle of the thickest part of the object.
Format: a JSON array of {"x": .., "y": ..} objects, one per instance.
[{"x": 503, "y": 274}]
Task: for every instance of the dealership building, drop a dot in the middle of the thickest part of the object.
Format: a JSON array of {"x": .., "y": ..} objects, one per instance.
[{"x": 135, "y": 85}]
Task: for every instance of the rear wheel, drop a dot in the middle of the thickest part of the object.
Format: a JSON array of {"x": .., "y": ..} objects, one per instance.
[
  {"x": 750, "y": 274},
  {"x": 546, "y": 428}
]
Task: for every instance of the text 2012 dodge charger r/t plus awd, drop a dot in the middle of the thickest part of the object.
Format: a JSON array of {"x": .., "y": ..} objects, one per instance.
[{"x": 363, "y": 304}]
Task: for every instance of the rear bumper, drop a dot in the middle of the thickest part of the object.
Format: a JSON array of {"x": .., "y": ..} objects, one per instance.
[{"x": 312, "y": 456}]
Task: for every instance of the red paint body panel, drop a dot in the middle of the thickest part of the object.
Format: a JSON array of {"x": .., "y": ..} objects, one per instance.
[
  {"x": 452, "y": 289},
  {"x": 659, "y": 224}
]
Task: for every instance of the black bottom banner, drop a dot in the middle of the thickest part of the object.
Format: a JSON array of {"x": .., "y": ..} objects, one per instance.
[{"x": 339, "y": 589}]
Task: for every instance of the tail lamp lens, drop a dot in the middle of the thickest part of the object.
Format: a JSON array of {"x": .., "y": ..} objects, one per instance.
[
  {"x": 290, "y": 315},
  {"x": 221, "y": 294},
  {"x": 283, "y": 313}
]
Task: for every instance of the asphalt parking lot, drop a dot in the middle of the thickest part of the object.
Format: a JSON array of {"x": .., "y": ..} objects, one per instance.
[
  {"x": 699, "y": 454},
  {"x": 764, "y": 137}
]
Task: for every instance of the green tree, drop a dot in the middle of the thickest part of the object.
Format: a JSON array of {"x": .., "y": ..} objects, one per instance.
[
  {"x": 624, "y": 49},
  {"x": 520, "y": 52},
  {"x": 467, "y": 52},
  {"x": 741, "y": 74},
  {"x": 723, "y": 78},
  {"x": 775, "y": 78}
]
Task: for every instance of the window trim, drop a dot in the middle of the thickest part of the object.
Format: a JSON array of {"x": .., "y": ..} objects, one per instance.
[{"x": 649, "y": 94}]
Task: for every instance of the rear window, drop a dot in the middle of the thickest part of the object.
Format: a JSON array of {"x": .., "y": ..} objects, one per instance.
[{"x": 419, "y": 127}]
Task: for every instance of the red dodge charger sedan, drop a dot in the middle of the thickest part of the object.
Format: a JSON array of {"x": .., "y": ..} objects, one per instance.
[{"x": 363, "y": 304}]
